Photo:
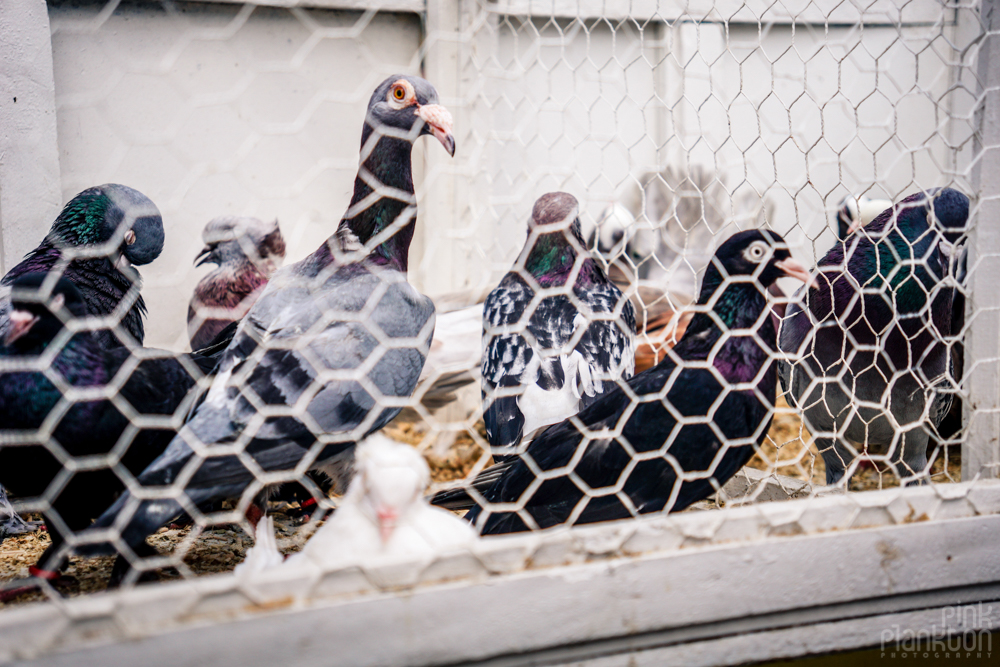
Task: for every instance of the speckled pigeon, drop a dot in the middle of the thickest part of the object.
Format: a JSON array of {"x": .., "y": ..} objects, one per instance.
[
  {"x": 247, "y": 252},
  {"x": 550, "y": 353},
  {"x": 94, "y": 242},
  {"x": 696, "y": 418},
  {"x": 871, "y": 342},
  {"x": 153, "y": 384},
  {"x": 330, "y": 351}
]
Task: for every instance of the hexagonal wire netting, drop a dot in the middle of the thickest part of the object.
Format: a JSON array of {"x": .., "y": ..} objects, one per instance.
[{"x": 674, "y": 129}]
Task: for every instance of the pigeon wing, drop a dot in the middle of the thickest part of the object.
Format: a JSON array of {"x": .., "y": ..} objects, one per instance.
[{"x": 508, "y": 360}]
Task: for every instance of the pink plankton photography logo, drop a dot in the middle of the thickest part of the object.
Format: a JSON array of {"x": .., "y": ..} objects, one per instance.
[{"x": 964, "y": 632}]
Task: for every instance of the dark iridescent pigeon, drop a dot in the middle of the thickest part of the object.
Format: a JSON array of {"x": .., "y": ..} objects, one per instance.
[
  {"x": 872, "y": 341},
  {"x": 549, "y": 356},
  {"x": 94, "y": 242},
  {"x": 330, "y": 351},
  {"x": 728, "y": 382},
  {"x": 247, "y": 252},
  {"x": 156, "y": 383}
]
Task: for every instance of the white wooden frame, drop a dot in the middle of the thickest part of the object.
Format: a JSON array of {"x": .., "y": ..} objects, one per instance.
[{"x": 765, "y": 581}]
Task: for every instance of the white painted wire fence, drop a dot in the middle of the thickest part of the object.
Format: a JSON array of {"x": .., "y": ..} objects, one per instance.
[{"x": 674, "y": 127}]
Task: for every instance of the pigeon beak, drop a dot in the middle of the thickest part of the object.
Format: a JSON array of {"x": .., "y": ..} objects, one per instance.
[
  {"x": 438, "y": 119},
  {"x": 855, "y": 226},
  {"x": 204, "y": 256},
  {"x": 123, "y": 263},
  {"x": 793, "y": 269},
  {"x": 387, "y": 518},
  {"x": 21, "y": 322}
]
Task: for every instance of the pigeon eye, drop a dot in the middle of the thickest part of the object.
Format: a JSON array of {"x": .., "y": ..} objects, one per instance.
[
  {"x": 399, "y": 93},
  {"x": 129, "y": 237},
  {"x": 756, "y": 252}
]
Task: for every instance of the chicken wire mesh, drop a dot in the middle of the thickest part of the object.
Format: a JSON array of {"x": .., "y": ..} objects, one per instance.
[{"x": 704, "y": 149}]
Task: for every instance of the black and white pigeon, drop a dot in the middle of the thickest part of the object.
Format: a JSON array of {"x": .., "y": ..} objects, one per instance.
[
  {"x": 674, "y": 434},
  {"x": 872, "y": 369},
  {"x": 557, "y": 334},
  {"x": 329, "y": 352}
]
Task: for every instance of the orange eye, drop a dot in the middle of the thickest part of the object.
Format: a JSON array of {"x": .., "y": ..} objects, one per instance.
[{"x": 399, "y": 93}]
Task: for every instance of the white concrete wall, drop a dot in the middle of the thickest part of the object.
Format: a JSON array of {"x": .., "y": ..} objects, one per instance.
[{"x": 29, "y": 164}]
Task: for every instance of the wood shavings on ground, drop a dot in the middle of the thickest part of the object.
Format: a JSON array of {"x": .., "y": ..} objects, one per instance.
[
  {"x": 217, "y": 549},
  {"x": 787, "y": 449},
  {"x": 452, "y": 462}
]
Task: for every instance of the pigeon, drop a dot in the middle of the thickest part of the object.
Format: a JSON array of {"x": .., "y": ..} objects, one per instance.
[
  {"x": 44, "y": 423},
  {"x": 329, "y": 353},
  {"x": 677, "y": 432},
  {"x": 870, "y": 345},
  {"x": 853, "y": 213},
  {"x": 94, "y": 242},
  {"x": 383, "y": 516},
  {"x": 247, "y": 252},
  {"x": 557, "y": 334}
]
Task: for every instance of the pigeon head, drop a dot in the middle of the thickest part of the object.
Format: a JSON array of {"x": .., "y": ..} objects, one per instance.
[
  {"x": 237, "y": 239},
  {"x": 389, "y": 480},
  {"x": 123, "y": 221},
  {"x": 409, "y": 103},
  {"x": 951, "y": 212},
  {"x": 554, "y": 237},
  {"x": 756, "y": 257},
  {"x": 401, "y": 109},
  {"x": 950, "y": 215},
  {"x": 39, "y": 308}
]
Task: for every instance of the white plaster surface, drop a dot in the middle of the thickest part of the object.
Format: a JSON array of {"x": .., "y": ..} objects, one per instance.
[{"x": 30, "y": 195}]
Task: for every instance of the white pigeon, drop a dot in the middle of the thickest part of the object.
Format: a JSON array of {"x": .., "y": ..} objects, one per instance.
[{"x": 383, "y": 516}]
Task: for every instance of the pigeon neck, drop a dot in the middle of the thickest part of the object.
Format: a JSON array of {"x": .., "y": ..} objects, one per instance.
[
  {"x": 80, "y": 222},
  {"x": 388, "y": 166},
  {"x": 739, "y": 357},
  {"x": 552, "y": 259},
  {"x": 898, "y": 254}
]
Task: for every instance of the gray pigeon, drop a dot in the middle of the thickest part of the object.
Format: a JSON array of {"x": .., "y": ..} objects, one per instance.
[{"x": 328, "y": 354}]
